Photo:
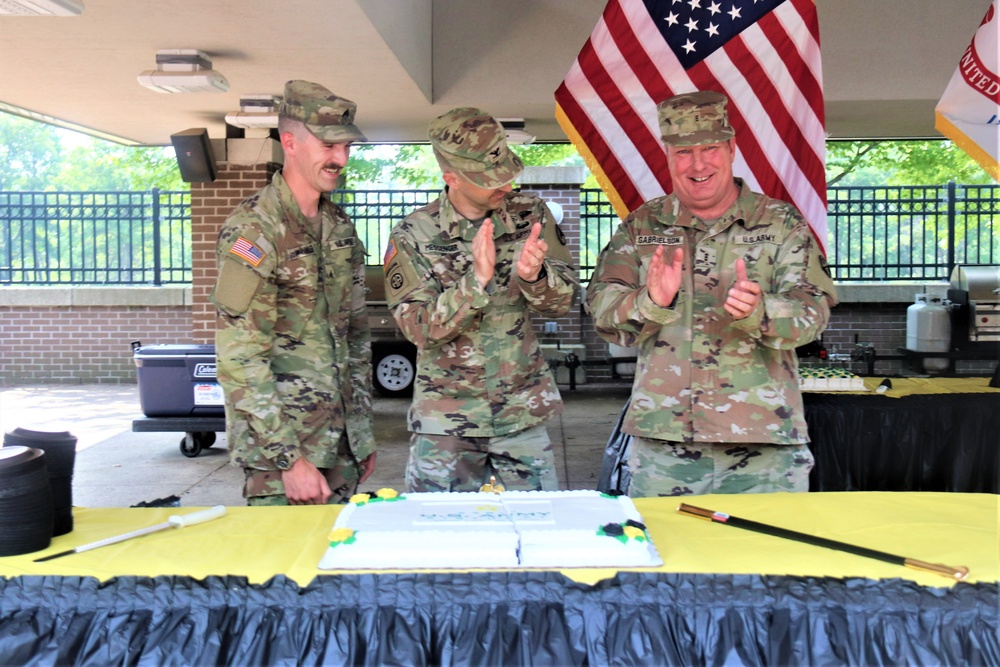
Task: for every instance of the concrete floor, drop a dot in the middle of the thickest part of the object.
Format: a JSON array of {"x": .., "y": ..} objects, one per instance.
[{"x": 118, "y": 468}]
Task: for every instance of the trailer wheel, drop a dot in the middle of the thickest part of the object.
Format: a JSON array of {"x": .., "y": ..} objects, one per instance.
[
  {"x": 193, "y": 443},
  {"x": 393, "y": 370}
]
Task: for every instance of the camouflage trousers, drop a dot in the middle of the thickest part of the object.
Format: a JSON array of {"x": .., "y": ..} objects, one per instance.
[
  {"x": 265, "y": 487},
  {"x": 662, "y": 468},
  {"x": 523, "y": 461}
]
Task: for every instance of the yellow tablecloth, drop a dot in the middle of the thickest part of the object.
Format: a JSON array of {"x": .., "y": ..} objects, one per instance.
[
  {"x": 910, "y": 386},
  {"x": 260, "y": 542}
]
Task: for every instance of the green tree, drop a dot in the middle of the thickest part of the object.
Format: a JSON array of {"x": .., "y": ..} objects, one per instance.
[
  {"x": 392, "y": 166},
  {"x": 878, "y": 162},
  {"x": 30, "y": 154},
  {"x": 37, "y": 156},
  {"x": 102, "y": 165},
  {"x": 413, "y": 166}
]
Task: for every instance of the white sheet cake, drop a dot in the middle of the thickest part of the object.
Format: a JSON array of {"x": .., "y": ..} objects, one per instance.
[{"x": 530, "y": 529}]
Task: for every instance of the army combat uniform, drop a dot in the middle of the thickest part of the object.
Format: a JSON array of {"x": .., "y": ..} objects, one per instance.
[
  {"x": 480, "y": 372},
  {"x": 701, "y": 376},
  {"x": 294, "y": 354}
]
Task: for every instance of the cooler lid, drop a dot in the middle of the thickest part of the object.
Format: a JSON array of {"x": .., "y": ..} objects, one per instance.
[{"x": 169, "y": 350}]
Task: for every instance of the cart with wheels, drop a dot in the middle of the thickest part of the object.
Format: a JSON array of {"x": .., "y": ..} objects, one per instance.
[{"x": 199, "y": 432}]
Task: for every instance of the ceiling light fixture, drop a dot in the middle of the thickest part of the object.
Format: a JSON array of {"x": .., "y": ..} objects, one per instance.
[
  {"x": 183, "y": 71},
  {"x": 256, "y": 112},
  {"x": 514, "y": 129},
  {"x": 41, "y": 7}
]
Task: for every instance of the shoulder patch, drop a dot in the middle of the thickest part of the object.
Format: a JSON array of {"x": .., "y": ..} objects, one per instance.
[
  {"x": 395, "y": 278},
  {"x": 248, "y": 251}
]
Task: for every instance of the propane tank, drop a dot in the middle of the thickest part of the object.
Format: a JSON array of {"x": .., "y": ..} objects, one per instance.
[
  {"x": 928, "y": 329},
  {"x": 912, "y": 313}
]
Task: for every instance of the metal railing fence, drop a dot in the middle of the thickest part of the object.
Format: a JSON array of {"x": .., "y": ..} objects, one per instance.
[
  {"x": 874, "y": 233},
  {"x": 108, "y": 238},
  {"x": 95, "y": 238},
  {"x": 375, "y": 212},
  {"x": 911, "y": 232}
]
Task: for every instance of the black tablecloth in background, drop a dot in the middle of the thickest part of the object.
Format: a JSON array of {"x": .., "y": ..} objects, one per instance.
[
  {"x": 496, "y": 618},
  {"x": 922, "y": 442},
  {"x": 870, "y": 442}
]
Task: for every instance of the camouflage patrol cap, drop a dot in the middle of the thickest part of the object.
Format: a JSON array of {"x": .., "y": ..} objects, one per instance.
[
  {"x": 328, "y": 117},
  {"x": 473, "y": 144},
  {"x": 691, "y": 119}
]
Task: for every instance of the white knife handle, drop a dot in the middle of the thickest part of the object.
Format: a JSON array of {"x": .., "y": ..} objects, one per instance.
[{"x": 200, "y": 516}]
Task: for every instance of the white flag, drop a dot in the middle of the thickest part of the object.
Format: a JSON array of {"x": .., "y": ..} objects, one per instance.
[{"x": 969, "y": 110}]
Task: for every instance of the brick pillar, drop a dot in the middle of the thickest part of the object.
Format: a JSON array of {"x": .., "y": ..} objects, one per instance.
[
  {"x": 560, "y": 185},
  {"x": 247, "y": 167}
]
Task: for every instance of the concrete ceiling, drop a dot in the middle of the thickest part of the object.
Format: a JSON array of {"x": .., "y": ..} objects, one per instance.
[{"x": 886, "y": 62}]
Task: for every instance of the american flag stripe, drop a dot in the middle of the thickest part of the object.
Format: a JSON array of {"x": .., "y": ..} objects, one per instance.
[
  {"x": 606, "y": 166},
  {"x": 771, "y": 71},
  {"x": 625, "y": 122}
]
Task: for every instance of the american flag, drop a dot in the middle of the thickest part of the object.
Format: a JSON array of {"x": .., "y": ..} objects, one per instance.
[
  {"x": 763, "y": 54},
  {"x": 248, "y": 251}
]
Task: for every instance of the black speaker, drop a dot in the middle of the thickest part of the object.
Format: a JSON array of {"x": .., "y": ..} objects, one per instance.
[{"x": 194, "y": 155}]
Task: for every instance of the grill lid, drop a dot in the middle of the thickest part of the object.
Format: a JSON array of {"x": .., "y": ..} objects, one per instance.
[{"x": 981, "y": 282}]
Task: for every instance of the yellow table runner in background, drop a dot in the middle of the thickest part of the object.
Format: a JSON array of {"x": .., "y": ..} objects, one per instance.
[{"x": 909, "y": 386}]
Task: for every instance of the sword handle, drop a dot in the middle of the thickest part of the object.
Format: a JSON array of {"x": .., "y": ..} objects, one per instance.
[
  {"x": 957, "y": 573},
  {"x": 201, "y": 516}
]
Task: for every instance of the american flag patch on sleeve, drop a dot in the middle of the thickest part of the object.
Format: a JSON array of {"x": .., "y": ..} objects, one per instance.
[
  {"x": 248, "y": 251},
  {"x": 390, "y": 252}
]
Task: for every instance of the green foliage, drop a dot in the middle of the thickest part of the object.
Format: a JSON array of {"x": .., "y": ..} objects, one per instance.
[
  {"x": 413, "y": 166},
  {"x": 875, "y": 163},
  {"x": 30, "y": 154},
  {"x": 36, "y": 156},
  {"x": 392, "y": 166},
  {"x": 106, "y": 166}
]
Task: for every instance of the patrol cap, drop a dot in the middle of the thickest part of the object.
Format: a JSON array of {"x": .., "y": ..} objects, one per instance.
[
  {"x": 328, "y": 117},
  {"x": 473, "y": 144},
  {"x": 691, "y": 119}
]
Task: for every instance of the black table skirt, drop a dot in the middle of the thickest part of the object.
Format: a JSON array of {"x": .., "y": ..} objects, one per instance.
[
  {"x": 933, "y": 442},
  {"x": 496, "y": 618},
  {"x": 922, "y": 442}
]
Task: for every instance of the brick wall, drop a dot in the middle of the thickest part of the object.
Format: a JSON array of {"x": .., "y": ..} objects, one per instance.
[
  {"x": 82, "y": 344},
  {"x": 569, "y": 327}
]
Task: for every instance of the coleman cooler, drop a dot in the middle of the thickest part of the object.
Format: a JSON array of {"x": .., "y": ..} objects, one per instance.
[{"x": 178, "y": 380}]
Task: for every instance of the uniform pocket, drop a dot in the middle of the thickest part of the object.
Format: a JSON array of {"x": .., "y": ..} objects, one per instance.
[{"x": 298, "y": 287}]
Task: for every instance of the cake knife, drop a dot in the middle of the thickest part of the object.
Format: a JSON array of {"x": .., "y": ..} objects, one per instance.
[{"x": 175, "y": 521}]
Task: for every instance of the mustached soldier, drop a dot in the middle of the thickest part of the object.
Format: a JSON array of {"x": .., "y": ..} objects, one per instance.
[
  {"x": 717, "y": 286},
  {"x": 293, "y": 350},
  {"x": 463, "y": 276}
]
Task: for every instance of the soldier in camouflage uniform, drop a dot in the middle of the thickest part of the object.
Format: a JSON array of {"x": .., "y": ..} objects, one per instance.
[
  {"x": 463, "y": 276},
  {"x": 717, "y": 286},
  {"x": 293, "y": 349}
]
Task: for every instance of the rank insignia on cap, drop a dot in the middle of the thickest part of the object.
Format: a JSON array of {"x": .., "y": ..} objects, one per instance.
[{"x": 248, "y": 251}]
